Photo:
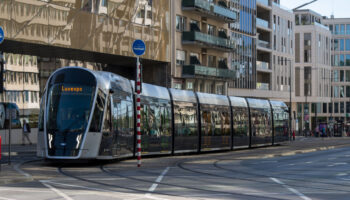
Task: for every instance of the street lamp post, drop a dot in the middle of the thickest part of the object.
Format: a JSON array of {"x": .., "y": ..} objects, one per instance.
[{"x": 290, "y": 96}]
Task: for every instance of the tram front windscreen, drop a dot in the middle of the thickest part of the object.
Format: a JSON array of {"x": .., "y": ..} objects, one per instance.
[
  {"x": 69, "y": 108},
  {"x": 70, "y": 97}
]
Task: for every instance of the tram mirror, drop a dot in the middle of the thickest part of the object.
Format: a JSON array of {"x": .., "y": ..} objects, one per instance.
[{"x": 111, "y": 91}]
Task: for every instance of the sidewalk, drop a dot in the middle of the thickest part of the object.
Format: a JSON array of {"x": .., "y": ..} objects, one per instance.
[{"x": 20, "y": 154}]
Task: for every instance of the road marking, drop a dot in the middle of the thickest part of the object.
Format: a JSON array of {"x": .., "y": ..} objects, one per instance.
[
  {"x": 16, "y": 167},
  {"x": 290, "y": 189},
  {"x": 56, "y": 190},
  {"x": 158, "y": 180},
  {"x": 3, "y": 198},
  {"x": 155, "y": 185}
]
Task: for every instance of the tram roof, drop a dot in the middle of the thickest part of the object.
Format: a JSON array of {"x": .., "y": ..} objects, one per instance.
[
  {"x": 213, "y": 99},
  {"x": 183, "y": 95}
]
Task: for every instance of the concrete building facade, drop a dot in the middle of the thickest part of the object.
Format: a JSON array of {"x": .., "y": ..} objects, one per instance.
[
  {"x": 339, "y": 109},
  {"x": 312, "y": 69}
]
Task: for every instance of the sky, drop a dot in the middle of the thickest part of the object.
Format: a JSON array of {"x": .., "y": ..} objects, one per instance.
[{"x": 340, "y": 8}]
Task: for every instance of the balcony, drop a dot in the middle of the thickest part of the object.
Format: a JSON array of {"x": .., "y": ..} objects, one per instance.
[
  {"x": 210, "y": 10},
  {"x": 262, "y": 23},
  {"x": 196, "y": 4},
  {"x": 198, "y": 70},
  {"x": 208, "y": 40},
  {"x": 262, "y": 65},
  {"x": 262, "y": 86},
  {"x": 264, "y": 44},
  {"x": 263, "y": 2}
]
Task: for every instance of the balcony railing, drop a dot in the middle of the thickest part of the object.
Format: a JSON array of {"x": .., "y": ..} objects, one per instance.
[
  {"x": 263, "y": 2},
  {"x": 195, "y": 70},
  {"x": 262, "y": 65},
  {"x": 211, "y": 9},
  {"x": 264, "y": 44},
  {"x": 263, "y": 23},
  {"x": 262, "y": 86},
  {"x": 201, "y": 4},
  {"x": 210, "y": 40},
  {"x": 224, "y": 12}
]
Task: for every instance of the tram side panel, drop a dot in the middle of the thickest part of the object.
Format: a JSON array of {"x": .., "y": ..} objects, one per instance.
[
  {"x": 240, "y": 122},
  {"x": 261, "y": 122},
  {"x": 215, "y": 122},
  {"x": 281, "y": 123},
  {"x": 156, "y": 120},
  {"x": 186, "y": 133}
]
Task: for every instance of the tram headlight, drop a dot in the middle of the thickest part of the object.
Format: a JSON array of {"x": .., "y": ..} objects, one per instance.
[
  {"x": 78, "y": 140},
  {"x": 50, "y": 136}
]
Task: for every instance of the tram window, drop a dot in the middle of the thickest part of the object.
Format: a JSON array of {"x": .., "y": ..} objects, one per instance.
[
  {"x": 240, "y": 121},
  {"x": 185, "y": 118},
  {"x": 107, "y": 121},
  {"x": 41, "y": 115},
  {"x": 98, "y": 112}
]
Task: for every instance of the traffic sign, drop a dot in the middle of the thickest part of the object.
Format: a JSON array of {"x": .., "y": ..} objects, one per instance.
[
  {"x": 138, "y": 47},
  {"x": 2, "y": 35}
]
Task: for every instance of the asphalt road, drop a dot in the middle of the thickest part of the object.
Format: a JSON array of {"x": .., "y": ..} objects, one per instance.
[{"x": 247, "y": 174}]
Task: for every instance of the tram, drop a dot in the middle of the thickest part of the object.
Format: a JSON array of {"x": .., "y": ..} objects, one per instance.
[{"x": 87, "y": 114}]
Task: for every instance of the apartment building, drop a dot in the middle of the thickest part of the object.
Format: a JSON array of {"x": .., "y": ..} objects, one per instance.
[
  {"x": 313, "y": 43},
  {"x": 201, "y": 45},
  {"x": 273, "y": 53},
  {"x": 339, "y": 109}
]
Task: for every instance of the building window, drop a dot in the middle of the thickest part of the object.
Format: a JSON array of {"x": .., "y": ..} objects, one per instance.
[
  {"x": 307, "y": 47},
  {"x": 180, "y": 57},
  {"x": 341, "y": 46},
  {"x": 336, "y": 107},
  {"x": 189, "y": 86},
  {"x": 330, "y": 107},
  {"x": 324, "y": 107},
  {"x": 341, "y": 107},
  {"x": 178, "y": 86},
  {"x": 180, "y": 23}
]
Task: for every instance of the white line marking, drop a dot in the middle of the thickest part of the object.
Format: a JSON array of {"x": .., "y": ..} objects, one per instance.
[
  {"x": 56, "y": 190},
  {"x": 158, "y": 180},
  {"x": 16, "y": 167},
  {"x": 3, "y": 198},
  {"x": 290, "y": 189},
  {"x": 155, "y": 185}
]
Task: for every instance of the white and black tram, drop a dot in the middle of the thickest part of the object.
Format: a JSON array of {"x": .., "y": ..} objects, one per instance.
[{"x": 87, "y": 114}]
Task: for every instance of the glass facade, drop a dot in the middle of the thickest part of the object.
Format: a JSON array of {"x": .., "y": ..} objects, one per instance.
[{"x": 244, "y": 57}]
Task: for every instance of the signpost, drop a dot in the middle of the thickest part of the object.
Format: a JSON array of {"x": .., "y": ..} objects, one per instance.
[
  {"x": 2, "y": 35},
  {"x": 139, "y": 49}
]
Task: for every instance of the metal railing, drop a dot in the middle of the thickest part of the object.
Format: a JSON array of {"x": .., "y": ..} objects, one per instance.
[
  {"x": 191, "y": 36},
  {"x": 262, "y": 22},
  {"x": 262, "y": 86},
  {"x": 262, "y": 65},
  {"x": 227, "y": 13},
  {"x": 264, "y": 44},
  {"x": 193, "y": 70},
  {"x": 211, "y": 8},
  {"x": 203, "y": 4},
  {"x": 263, "y": 2}
]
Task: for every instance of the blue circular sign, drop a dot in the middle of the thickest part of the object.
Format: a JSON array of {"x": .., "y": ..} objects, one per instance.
[
  {"x": 2, "y": 35},
  {"x": 138, "y": 47}
]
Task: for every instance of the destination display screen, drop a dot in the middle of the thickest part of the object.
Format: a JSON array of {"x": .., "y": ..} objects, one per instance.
[{"x": 71, "y": 89}]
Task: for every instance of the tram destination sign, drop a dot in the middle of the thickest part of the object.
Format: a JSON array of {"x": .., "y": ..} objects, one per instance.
[
  {"x": 139, "y": 47},
  {"x": 2, "y": 35}
]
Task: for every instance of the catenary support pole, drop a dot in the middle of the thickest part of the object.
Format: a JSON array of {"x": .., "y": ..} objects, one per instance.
[{"x": 138, "y": 111}]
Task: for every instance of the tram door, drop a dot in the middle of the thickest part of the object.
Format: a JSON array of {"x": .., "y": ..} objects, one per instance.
[{"x": 108, "y": 138}]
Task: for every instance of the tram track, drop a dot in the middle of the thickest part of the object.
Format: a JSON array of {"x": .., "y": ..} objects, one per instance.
[{"x": 181, "y": 186}]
